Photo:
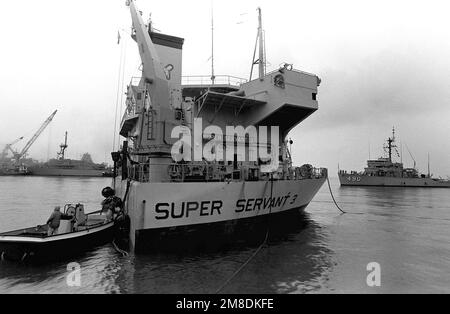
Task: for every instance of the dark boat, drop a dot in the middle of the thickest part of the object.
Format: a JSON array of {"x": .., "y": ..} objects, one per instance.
[{"x": 34, "y": 244}]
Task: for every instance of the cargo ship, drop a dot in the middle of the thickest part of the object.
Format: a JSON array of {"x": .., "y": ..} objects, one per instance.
[
  {"x": 386, "y": 172},
  {"x": 63, "y": 167},
  {"x": 178, "y": 185}
]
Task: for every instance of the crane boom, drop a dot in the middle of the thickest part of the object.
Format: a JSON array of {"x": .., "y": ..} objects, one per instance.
[
  {"x": 9, "y": 147},
  {"x": 35, "y": 137},
  {"x": 412, "y": 157},
  {"x": 153, "y": 69}
]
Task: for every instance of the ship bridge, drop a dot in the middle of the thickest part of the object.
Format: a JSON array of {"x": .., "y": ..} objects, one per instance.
[
  {"x": 283, "y": 98},
  {"x": 290, "y": 96}
]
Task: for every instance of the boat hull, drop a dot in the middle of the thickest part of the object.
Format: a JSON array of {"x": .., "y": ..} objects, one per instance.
[
  {"x": 54, "y": 248},
  {"x": 198, "y": 214},
  {"x": 362, "y": 180}
]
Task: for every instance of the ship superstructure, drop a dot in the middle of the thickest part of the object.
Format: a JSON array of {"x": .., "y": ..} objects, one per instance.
[
  {"x": 172, "y": 126},
  {"x": 384, "y": 171},
  {"x": 65, "y": 167}
]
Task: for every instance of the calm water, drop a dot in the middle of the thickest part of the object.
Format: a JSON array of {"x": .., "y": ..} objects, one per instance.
[{"x": 406, "y": 231}]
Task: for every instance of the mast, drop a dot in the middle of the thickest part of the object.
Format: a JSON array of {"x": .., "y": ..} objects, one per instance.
[
  {"x": 63, "y": 148},
  {"x": 429, "y": 173},
  {"x": 213, "y": 77},
  {"x": 260, "y": 40},
  {"x": 262, "y": 60},
  {"x": 391, "y": 141}
]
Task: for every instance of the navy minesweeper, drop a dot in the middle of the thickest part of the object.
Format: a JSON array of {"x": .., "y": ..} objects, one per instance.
[
  {"x": 168, "y": 199},
  {"x": 386, "y": 172}
]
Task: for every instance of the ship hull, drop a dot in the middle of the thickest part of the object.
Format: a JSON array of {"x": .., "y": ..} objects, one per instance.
[
  {"x": 13, "y": 174},
  {"x": 166, "y": 216},
  {"x": 57, "y": 172},
  {"x": 363, "y": 180},
  {"x": 219, "y": 235}
]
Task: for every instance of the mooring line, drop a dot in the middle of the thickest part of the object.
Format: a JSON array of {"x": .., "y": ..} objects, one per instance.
[
  {"x": 335, "y": 203},
  {"x": 258, "y": 249},
  {"x": 124, "y": 253},
  {"x": 332, "y": 196}
]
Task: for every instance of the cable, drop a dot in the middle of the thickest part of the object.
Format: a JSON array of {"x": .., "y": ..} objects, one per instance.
[
  {"x": 124, "y": 63},
  {"x": 332, "y": 196},
  {"x": 258, "y": 249},
  {"x": 124, "y": 253},
  {"x": 117, "y": 94}
]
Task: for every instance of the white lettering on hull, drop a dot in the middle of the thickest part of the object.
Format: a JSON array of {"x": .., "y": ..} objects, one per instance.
[{"x": 172, "y": 205}]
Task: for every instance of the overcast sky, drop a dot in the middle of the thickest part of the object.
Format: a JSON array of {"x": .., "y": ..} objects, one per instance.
[{"x": 382, "y": 64}]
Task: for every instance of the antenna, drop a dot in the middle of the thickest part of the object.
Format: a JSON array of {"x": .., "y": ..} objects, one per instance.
[{"x": 213, "y": 77}]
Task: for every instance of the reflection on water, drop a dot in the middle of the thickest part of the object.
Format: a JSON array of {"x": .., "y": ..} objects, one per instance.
[
  {"x": 274, "y": 269},
  {"x": 404, "y": 230}
]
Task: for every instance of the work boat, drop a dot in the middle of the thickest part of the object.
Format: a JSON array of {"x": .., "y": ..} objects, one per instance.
[
  {"x": 173, "y": 201},
  {"x": 77, "y": 233}
]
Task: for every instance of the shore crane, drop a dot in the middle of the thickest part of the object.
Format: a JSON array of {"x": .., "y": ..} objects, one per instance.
[
  {"x": 18, "y": 156},
  {"x": 8, "y": 147}
]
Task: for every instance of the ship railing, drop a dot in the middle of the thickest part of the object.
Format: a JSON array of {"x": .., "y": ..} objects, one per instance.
[
  {"x": 206, "y": 172},
  {"x": 218, "y": 80},
  {"x": 290, "y": 69}
]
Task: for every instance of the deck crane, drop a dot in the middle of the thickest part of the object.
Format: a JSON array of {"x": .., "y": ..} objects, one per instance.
[
  {"x": 8, "y": 147},
  {"x": 18, "y": 156}
]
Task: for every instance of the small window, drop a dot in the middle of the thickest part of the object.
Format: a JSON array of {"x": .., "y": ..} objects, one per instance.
[
  {"x": 139, "y": 96},
  {"x": 314, "y": 96}
]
